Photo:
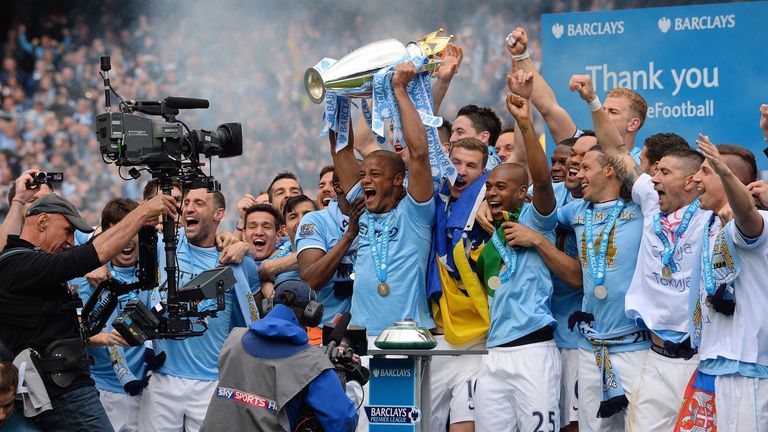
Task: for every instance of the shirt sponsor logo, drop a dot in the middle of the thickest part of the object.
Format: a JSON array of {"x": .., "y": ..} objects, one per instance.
[{"x": 246, "y": 398}]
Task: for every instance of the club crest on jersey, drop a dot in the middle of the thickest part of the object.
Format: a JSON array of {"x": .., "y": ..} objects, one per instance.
[{"x": 307, "y": 230}]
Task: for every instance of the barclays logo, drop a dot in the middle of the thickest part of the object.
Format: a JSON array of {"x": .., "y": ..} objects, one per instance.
[
  {"x": 588, "y": 29},
  {"x": 695, "y": 23},
  {"x": 557, "y": 30},
  {"x": 664, "y": 24}
]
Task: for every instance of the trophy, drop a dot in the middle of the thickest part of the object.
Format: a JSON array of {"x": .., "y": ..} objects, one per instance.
[{"x": 351, "y": 75}]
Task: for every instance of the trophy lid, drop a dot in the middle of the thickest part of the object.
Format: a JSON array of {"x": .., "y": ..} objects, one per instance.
[{"x": 405, "y": 334}]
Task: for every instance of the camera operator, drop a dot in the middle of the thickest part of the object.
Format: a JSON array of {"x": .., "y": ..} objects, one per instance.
[
  {"x": 24, "y": 192},
  {"x": 38, "y": 311},
  {"x": 249, "y": 395}
]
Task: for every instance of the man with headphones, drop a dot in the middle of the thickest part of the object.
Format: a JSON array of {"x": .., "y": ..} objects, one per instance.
[{"x": 272, "y": 379}]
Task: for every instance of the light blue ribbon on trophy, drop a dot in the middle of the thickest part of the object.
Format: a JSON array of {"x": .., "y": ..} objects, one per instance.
[
  {"x": 669, "y": 248},
  {"x": 420, "y": 92},
  {"x": 597, "y": 262},
  {"x": 337, "y": 113},
  {"x": 493, "y": 159},
  {"x": 366, "y": 109}
]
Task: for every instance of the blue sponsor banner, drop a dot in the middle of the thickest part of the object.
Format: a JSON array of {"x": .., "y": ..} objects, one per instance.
[
  {"x": 392, "y": 405},
  {"x": 700, "y": 68}
]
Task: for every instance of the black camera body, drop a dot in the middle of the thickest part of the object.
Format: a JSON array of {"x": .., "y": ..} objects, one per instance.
[
  {"x": 42, "y": 177},
  {"x": 134, "y": 140}
]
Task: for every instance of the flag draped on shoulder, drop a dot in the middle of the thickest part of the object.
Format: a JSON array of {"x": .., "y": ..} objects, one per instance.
[
  {"x": 490, "y": 260},
  {"x": 456, "y": 294}
]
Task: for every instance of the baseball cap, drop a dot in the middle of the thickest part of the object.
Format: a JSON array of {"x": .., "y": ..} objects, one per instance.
[
  {"x": 302, "y": 293},
  {"x": 56, "y": 204}
]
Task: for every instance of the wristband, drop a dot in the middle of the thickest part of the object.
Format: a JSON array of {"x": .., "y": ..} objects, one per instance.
[
  {"x": 594, "y": 104},
  {"x": 523, "y": 56},
  {"x": 19, "y": 200}
]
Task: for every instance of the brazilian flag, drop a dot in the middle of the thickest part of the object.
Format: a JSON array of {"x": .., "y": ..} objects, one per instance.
[{"x": 490, "y": 261}]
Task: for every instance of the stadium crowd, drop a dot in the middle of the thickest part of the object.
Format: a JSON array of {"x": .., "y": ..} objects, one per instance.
[{"x": 616, "y": 286}]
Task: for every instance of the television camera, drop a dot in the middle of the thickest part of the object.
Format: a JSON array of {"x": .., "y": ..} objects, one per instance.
[{"x": 169, "y": 151}]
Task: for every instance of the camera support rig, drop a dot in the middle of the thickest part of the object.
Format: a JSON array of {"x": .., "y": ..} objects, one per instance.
[{"x": 168, "y": 154}]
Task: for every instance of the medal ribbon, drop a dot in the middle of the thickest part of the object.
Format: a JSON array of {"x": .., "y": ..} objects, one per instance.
[
  {"x": 669, "y": 249},
  {"x": 706, "y": 259},
  {"x": 508, "y": 254},
  {"x": 597, "y": 264},
  {"x": 380, "y": 252}
]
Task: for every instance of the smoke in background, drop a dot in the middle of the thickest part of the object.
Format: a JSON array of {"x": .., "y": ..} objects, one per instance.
[{"x": 248, "y": 58}]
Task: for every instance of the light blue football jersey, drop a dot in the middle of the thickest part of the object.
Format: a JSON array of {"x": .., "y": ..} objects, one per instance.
[
  {"x": 521, "y": 305},
  {"x": 410, "y": 236},
  {"x": 621, "y": 257},
  {"x": 196, "y": 357},
  {"x": 133, "y": 357},
  {"x": 322, "y": 230},
  {"x": 565, "y": 300}
]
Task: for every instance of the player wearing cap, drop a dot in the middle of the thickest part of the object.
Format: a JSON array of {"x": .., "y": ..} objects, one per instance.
[
  {"x": 250, "y": 396},
  {"x": 38, "y": 311}
]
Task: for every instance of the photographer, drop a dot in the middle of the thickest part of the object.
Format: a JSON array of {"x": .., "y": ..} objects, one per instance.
[
  {"x": 38, "y": 311},
  {"x": 249, "y": 396},
  {"x": 24, "y": 192}
]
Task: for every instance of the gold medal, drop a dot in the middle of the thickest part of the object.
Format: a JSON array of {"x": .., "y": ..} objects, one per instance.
[
  {"x": 601, "y": 292},
  {"x": 666, "y": 272},
  {"x": 383, "y": 289},
  {"x": 494, "y": 283}
]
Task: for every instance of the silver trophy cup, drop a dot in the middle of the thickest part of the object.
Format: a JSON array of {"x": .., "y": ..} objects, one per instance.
[{"x": 358, "y": 67}]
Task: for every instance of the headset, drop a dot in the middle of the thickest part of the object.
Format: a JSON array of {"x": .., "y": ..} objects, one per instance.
[{"x": 312, "y": 314}]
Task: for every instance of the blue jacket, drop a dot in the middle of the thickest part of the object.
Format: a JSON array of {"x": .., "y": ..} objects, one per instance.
[{"x": 279, "y": 335}]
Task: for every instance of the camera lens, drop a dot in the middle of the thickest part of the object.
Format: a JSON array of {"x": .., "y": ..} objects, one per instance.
[{"x": 40, "y": 177}]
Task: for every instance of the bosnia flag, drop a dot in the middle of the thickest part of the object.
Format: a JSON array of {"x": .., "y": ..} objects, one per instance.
[{"x": 458, "y": 301}]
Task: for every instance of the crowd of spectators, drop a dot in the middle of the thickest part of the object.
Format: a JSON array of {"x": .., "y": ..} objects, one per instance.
[{"x": 247, "y": 58}]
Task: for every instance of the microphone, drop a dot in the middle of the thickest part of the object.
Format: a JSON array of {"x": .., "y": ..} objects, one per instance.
[
  {"x": 338, "y": 332},
  {"x": 185, "y": 103},
  {"x": 106, "y": 66}
]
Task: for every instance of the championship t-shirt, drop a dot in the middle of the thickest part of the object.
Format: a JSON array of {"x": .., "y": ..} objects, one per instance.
[
  {"x": 736, "y": 343},
  {"x": 565, "y": 300},
  {"x": 654, "y": 301},
  {"x": 132, "y": 357}
]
